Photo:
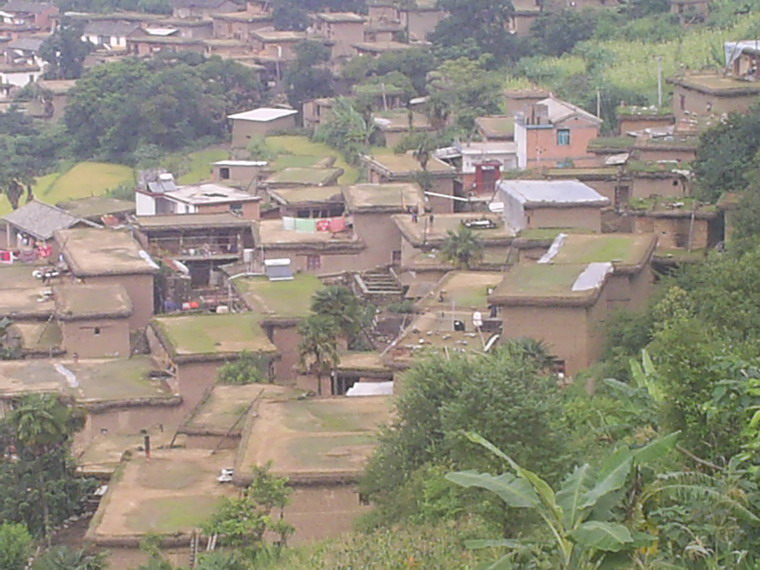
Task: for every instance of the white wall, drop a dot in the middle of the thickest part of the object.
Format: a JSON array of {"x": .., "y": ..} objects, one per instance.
[
  {"x": 144, "y": 205},
  {"x": 521, "y": 142}
]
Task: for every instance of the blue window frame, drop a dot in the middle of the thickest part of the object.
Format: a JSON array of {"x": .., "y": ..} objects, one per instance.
[{"x": 563, "y": 137}]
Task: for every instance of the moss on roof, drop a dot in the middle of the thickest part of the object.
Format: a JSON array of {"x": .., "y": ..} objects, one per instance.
[
  {"x": 463, "y": 290},
  {"x": 286, "y": 299},
  {"x": 208, "y": 334},
  {"x": 541, "y": 280},
  {"x": 627, "y": 249},
  {"x": 313, "y": 176},
  {"x": 305, "y": 194}
]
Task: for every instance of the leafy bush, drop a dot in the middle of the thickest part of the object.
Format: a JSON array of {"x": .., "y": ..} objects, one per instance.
[{"x": 245, "y": 370}]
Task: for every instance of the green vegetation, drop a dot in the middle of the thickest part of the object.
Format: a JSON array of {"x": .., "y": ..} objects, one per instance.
[
  {"x": 300, "y": 151},
  {"x": 173, "y": 514},
  {"x": 15, "y": 546},
  {"x": 247, "y": 369},
  {"x": 209, "y": 334}
]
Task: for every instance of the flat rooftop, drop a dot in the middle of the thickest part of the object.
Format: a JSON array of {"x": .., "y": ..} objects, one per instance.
[
  {"x": 381, "y": 47},
  {"x": 717, "y": 84},
  {"x": 305, "y": 176},
  {"x": 368, "y": 361},
  {"x": 497, "y": 126},
  {"x": 86, "y": 301},
  {"x": 464, "y": 290},
  {"x": 432, "y": 333},
  {"x": 406, "y": 165},
  {"x": 214, "y": 336},
  {"x": 548, "y": 284},
  {"x": 263, "y": 114},
  {"x": 399, "y": 121},
  {"x": 172, "y": 493},
  {"x": 90, "y": 252},
  {"x": 20, "y": 293},
  {"x": 423, "y": 232},
  {"x": 89, "y": 381},
  {"x": 315, "y": 439},
  {"x": 97, "y": 206},
  {"x": 383, "y": 197},
  {"x": 340, "y": 17},
  {"x": 306, "y": 194},
  {"x": 272, "y": 233},
  {"x": 191, "y": 221},
  {"x": 494, "y": 257},
  {"x": 283, "y": 299},
  {"x": 210, "y": 194},
  {"x": 552, "y": 193},
  {"x": 620, "y": 249},
  {"x": 279, "y": 36}
]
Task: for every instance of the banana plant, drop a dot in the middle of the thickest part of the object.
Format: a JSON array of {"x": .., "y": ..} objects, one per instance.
[{"x": 578, "y": 516}]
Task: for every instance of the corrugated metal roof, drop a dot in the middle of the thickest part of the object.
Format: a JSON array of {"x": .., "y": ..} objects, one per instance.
[
  {"x": 263, "y": 114},
  {"x": 41, "y": 220},
  {"x": 552, "y": 192}
]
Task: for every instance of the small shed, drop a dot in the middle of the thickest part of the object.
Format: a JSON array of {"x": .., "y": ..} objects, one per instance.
[
  {"x": 530, "y": 204},
  {"x": 278, "y": 269},
  {"x": 259, "y": 123},
  {"x": 32, "y": 225}
]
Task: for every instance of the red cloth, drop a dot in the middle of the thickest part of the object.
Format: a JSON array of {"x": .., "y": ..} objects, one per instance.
[
  {"x": 337, "y": 224},
  {"x": 323, "y": 225}
]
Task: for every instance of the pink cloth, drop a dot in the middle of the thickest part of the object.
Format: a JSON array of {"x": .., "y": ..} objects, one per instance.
[
  {"x": 337, "y": 224},
  {"x": 323, "y": 225}
]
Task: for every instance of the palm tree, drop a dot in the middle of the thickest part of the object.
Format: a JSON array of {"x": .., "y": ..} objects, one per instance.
[
  {"x": 462, "y": 248},
  {"x": 341, "y": 304},
  {"x": 66, "y": 558},
  {"x": 41, "y": 423},
  {"x": 318, "y": 349}
]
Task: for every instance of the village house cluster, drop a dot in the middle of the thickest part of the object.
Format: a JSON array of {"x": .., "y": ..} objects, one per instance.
[{"x": 132, "y": 307}]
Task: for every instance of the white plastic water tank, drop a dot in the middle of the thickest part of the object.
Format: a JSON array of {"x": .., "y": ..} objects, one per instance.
[{"x": 248, "y": 255}]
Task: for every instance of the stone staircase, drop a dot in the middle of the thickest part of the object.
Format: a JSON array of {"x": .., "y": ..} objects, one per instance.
[{"x": 378, "y": 286}]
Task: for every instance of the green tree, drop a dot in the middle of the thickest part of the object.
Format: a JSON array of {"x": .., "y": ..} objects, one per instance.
[
  {"x": 243, "y": 521},
  {"x": 348, "y": 130},
  {"x": 15, "y": 546},
  {"x": 318, "y": 348},
  {"x": 66, "y": 558},
  {"x": 726, "y": 154},
  {"x": 247, "y": 369},
  {"x": 305, "y": 78},
  {"x": 65, "y": 51},
  {"x": 461, "y": 248},
  {"x": 558, "y": 32},
  {"x": 346, "y": 309}
]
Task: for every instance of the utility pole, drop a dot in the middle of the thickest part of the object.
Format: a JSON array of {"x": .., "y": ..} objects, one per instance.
[
  {"x": 598, "y": 102},
  {"x": 659, "y": 81}
]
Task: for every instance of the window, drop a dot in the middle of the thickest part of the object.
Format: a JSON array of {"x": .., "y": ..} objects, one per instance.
[
  {"x": 97, "y": 331},
  {"x": 682, "y": 102},
  {"x": 237, "y": 208},
  {"x": 313, "y": 262},
  {"x": 396, "y": 257},
  {"x": 563, "y": 137},
  {"x": 224, "y": 173}
]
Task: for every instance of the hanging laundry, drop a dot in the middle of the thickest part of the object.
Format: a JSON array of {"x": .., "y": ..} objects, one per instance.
[
  {"x": 6, "y": 256},
  {"x": 288, "y": 223},
  {"x": 323, "y": 225},
  {"x": 306, "y": 225},
  {"x": 337, "y": 224}
]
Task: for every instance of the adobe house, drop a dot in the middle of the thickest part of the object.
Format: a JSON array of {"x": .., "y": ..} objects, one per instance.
[
  {"x": 743, "y": 58},
  {"x": 389, "y": 168},
  {"x": 183, "y": 9},
  {"x": 530, "y": 204},
  {"x": 370, "y": 207},
  {"x": 100, "y": 209},
  {"x": 339, "y": 30},
  {"x": 164, "y": 197},
  {"x": 524, "y": 16},
  {"x": 650, "y": 181},
  {"x": 146, "y": 45},
  {"x": 303, "y": 176},
  {"x": 24, "y": 298},
  {"x": 197, "y": 29},
  {"x": 21, "y": 13},
  {"x": 309, "y": 201},
  {"x": 325, "y": 501},
  {"x": 680, "y": 224},
  {"x": 706, "y": 95},
  {"x": 632, "y": 118},
  {"x": 107, "y": 257},
  {"x": 317, "y": 112},
  {"x": 194, "y": 347},
  {"x": 227, "y": 49},
  {"x": 382, "y": 12},
  {"x": 376, "y": 49},
  {"x": 678, "y": 148},
  {"x": 310, "y": 251},
  {"x": 521, "y": 100},
  {"x": 728, "y": 204},
  {"x": 55, "y": 96},
  {"x": 562, "y": 305},
  {"x": 280, "y": 306},
  {"x": 258, "y": 123},
  {"x": 24, "y": 51},
  {"x": 631, "y": 282},
  {"x": 276, "y": 44},
  {"x": 382, "y": 31},
  {"x": 360, "y": 371},
  {"x": 496, "y": 128},
  {"x": 94, "y": 319},
  {"x": 202, "y": 242},
  {"x": 447, "y": 323},
  {"x": 422, "y": 239},
  {"x": 30, "y": 229},
  {"x": 612, "y": 182},
  {"x": 420, "y": 19},
  {"x": 15, "y": 76},
  {"x": 241, "y": 26},
  {"x": 395, "y": 127},
  {"x": 555, "y": 133},
  {"x": 246, "y": 174},
  {"x": 109, "y": 35}
]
